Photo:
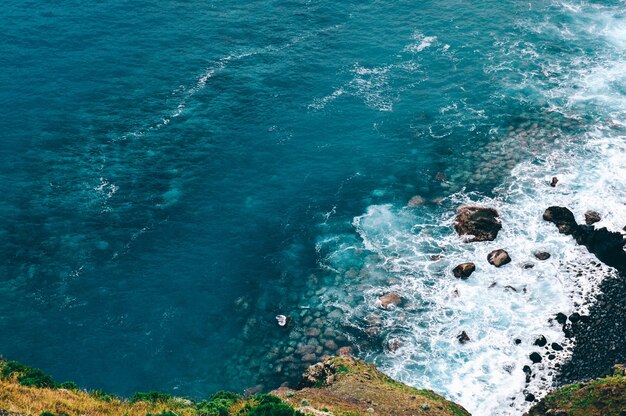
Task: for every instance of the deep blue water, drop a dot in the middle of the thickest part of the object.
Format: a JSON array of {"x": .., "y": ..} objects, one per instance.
[{"x": 175, "y": 174}]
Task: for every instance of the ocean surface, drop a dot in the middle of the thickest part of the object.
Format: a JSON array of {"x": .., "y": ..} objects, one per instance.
[{"x": 175, "y": 174}]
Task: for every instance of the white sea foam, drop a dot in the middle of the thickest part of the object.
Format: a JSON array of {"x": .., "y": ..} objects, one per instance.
[{"x": 394, "y": 247}]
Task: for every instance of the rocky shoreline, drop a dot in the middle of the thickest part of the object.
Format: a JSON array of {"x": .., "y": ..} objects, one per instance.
[
  {"x": 344, "y": 385},
  {"x": 338, "y": 386}
]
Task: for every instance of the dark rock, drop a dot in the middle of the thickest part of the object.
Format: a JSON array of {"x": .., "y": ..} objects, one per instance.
[
  {"x": 542, "y": 255},
  {"x": 563, "y": 218},
  {"x": 541, "y": 341},
  {"x": 530, "y": 397},
  {"x": 561, "y": 318},
  {"x": 441, "y": 177},
  {"x": 436, "y": 257},
  {"x": 463, "y": 337},
  {"x": 498, "y": 258},
  {"x": 535, "y": 357},
  {"x": 554, "y": 181},
  {"x": 509, "y": 287},
  {"x": 607, "y": 246},
  {"x": 464, "y": 270},
  {"x": 517, "y": 341},
  {"x": 557, "y": 346},
  {"x": 528, "y": 373},
  {"x": 551, "y": 356},
  {"x": 481, "y": 223},
  {"x": 575, "y": 317},
  {"x": 591, "y": 217},
  {"x": 528, "y": 265}
]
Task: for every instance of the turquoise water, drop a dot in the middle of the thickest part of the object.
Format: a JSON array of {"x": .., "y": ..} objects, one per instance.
[{"x": 175, "y": 175}]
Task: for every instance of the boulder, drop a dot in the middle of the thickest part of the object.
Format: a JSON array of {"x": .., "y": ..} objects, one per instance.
[
  {"x": 554, "y": 181},
  {"x": 535, "y": 357},
  {"x": 563, "y": 218},
  {"x": 498, "y": 258},
  {"x": 542, "y": 255},
  {"x": 556, "y": 346},
  {"x": 389, "y": 300},
  {"x": 464, "y": 270},
  {"x": 541, "y": 341},
  {"x": 561, "y": 318},
  {"x": 481, "y": 223},
  {"x": 463, "y": 337},
  {"x": 592, "y": 217}
]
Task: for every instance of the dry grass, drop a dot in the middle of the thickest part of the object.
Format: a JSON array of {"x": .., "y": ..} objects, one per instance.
[{"x": 32, "y": 401}]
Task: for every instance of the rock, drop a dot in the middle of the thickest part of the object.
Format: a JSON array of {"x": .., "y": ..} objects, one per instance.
[
  {"x": 498, "y": 258},
  {"x": 575, "y": 317},
  {"x": 563, "y": 218},
  {"x": 517, "y": 341},
  {"x": 313, "y": 332},
  {"x": 557, "y": 346},
  {"x": 561, "y": 318},
  {"x": 509, "y": 287},
  {"x": 606, "y": 245},
  {"x": 390, "y": 300},
  {"x": 394, "y": 344},
  {"x": 554, "y": 181},
  {"x": 441, "y": 177},
  {"x": 464, "y": 270},
  {"x": 530, "y": 397},
  {"x": 526, "y": 369},
  {"x": 282, "y": 320},
  {"x": 436, "y": 257},
  {"x": 591, "y": 217},
  {"x": 344, "y": 351},
  {"x": 330, "y": 345},
  {"x": 463, "y": 337},
  {"x": 481, "y": 223},
  {"x": 309, "y": 358},
  {"x": 416, "y": 201},
  {"x": 528, "y": 265},
  {"x": 535, "y": 357},
  {"x": 542, "y": 255},
  {"x": 541, "y": 341}
]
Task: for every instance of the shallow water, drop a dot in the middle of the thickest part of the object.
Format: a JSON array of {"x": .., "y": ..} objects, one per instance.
[{"x": 176, "y": 175}]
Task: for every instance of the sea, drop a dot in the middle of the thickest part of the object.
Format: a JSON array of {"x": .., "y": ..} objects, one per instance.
[{"x": 176, "y": 174}]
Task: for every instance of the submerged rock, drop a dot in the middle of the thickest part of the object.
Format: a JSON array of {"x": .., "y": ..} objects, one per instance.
[
  {"x": 416, "y": 201},
  {"x": 542, "y": 255},
  {"x": 464, "y": 270},
  {"x": 498, "y": 258},
  {"x": 390, "y": 300},
  {"x": 481, "y": 223}
]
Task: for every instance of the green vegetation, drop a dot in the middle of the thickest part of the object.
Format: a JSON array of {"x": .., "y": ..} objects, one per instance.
[
  {"x": 218, "y": 404},
  {"x": 600, "y": 397},
  {"x": 151, "y": 397},
  {"x": 26, "y": 375}
]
